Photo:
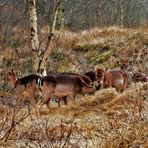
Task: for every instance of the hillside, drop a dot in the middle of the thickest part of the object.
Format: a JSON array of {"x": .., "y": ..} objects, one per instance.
[{"x": 83, "y": 51}]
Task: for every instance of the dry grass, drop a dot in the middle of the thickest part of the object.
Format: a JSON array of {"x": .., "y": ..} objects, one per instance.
[
  {"x": 123, "y": 43},
  {"x": 95, "y": 36},
  {"x": 107, "y": 119}
]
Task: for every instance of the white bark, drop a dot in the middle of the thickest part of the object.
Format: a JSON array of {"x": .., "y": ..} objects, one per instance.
[
  {"x": 121, "y": 7},
  {"x": 34, "y": 32},
  {"x": 40, "y": 59},
  {"x": 55, "y": 14},
  {"x": 51, "y": 39}
]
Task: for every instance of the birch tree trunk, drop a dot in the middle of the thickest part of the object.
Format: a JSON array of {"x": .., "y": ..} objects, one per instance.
[
  {"x": 51, "y": 39},
  {"x": 41, "y": 57},
  {"x": 34, "y": 33},
  {"x": 60, "y": 17},
  {"x": 57, "y": 4},
  {"x": 121, "y": 8}
]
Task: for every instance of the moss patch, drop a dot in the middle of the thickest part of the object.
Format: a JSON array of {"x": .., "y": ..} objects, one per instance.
[
  {"x": 64, "y": 66},
  {"x": 101, "y": 47},
  {"x": 83, "y": 48},
  {"x": 100, "y": 58}
]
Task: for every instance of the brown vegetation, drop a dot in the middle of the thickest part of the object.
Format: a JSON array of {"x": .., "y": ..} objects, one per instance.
[{"x": 106, "y": 119}]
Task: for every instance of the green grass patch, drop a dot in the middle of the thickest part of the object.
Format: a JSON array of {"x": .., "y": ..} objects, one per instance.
[{"x": 100, "y": 58}]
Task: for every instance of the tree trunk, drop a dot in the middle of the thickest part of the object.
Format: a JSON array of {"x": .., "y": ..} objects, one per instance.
[
  {"x": 34, "y": 33},
  {"x": 50, "y": 41},
  {"x": 121, "y": 8},
  {"x": 56, "y": 11},
  {"x": 41, "y": 57},
  {"x": 60, "y": 17}
]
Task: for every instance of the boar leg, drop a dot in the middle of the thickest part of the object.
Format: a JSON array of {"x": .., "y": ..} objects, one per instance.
[
  {"x": 59, "y": 99},
  {"x": 48, "y": 104},
  {"x": 65, "y": 100},
  {"x": 45, "y": 100},
  {"x": 62, "y": 98},
  {"x": 72, "y": 97}
]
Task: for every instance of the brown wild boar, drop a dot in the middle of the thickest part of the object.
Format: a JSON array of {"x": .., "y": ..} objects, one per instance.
[
  {"x": 65, "y": 84},
  {"x": 25, "y": 87},
  {"x": 116, "y": 79}
]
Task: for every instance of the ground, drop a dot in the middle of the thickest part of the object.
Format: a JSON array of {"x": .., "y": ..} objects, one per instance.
[{"x": 105, "y": 119}]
